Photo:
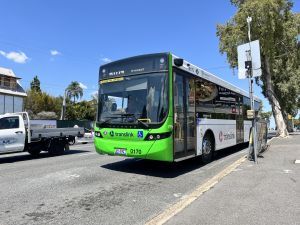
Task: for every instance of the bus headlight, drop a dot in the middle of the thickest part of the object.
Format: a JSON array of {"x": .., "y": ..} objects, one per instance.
[
  {"x": 153, "y": 137},
  {"x": 98, "y": 134}
]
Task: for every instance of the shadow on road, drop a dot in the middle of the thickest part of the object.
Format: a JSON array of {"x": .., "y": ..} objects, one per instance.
[
  {"x": 24, "y": 156},
  {"x": 166, "y": 169}
]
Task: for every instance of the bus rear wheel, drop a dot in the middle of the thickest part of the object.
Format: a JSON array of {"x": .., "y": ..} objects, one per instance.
[{"x": 207, "y": 148}]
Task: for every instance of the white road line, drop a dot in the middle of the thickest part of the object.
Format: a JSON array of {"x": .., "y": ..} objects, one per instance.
[
  {"x": 287, "y": 171},
  {"x": 182, "y": 204},
  {"x": 85, "y": 154}
]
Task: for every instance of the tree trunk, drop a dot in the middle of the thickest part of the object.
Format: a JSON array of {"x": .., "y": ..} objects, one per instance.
[{"x": 276, "y": 109}]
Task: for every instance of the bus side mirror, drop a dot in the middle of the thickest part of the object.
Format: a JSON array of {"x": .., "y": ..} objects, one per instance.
[{"x": 178, "y": 62}]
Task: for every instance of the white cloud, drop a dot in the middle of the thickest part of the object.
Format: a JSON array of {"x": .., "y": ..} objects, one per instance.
[
  {"x": 82, "y": 85},
  {"x": 106, "y": 60},
  {"x": 18, "y": 57},
  {"x": 54, "y": 52}
]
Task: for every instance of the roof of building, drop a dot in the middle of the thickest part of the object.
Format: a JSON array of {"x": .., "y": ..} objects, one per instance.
[
  {"x": 19, "y": 91},
  {"x": 7, "y": 72},
  {"x": 11, "y": 92}
]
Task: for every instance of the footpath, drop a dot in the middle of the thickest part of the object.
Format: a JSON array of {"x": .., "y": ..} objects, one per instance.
[{"x": 264, "y": 193}]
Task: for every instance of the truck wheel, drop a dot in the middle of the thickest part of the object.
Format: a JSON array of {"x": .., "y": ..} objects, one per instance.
[
  {"x": 56, "y": 148},
  {"x": 34, "y": 152},
  {"x": 71, "y": 140},
  {"x": 207, "y": 148}
]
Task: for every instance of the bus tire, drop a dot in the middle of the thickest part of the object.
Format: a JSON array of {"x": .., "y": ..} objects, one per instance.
[{"x": 207, "y": 148}]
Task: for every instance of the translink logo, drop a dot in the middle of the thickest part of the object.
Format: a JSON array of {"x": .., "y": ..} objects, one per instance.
[{"x": 121, "y": 134}]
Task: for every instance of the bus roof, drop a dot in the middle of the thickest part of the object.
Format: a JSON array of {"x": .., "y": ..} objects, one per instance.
[{"x": 187, "y": 66}]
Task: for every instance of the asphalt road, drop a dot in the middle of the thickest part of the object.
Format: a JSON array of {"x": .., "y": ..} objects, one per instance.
[{"x": 82, "y": 187}]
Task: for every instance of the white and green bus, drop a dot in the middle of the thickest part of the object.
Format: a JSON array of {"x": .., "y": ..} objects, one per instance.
[{"x": 161, "y": 107}]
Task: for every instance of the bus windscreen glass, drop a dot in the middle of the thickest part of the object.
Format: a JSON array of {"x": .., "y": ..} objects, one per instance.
[{"x": 134, "y": 99}]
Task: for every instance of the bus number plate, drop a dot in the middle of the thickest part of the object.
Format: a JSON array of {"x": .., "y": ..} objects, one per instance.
[{"x": 120, "y": 151}]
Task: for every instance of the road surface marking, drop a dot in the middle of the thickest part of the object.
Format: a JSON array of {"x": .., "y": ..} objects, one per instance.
[
  {"x": 297, "y": 161},
  {"x": 85, "y": 154},
  {"x": 73, "y": 176},
  {"x": 179, "y": 206},
  {"x": 176, "y": 195}
]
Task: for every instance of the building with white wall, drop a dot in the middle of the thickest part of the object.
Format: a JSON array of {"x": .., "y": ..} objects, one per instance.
[{"x": 11, "y": 93}]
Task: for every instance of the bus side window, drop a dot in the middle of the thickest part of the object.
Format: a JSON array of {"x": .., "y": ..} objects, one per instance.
[{"x": 206, "y": 92}]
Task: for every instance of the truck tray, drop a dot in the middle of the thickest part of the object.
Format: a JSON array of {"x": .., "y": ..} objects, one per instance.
[{"x": 56, "y": 132}]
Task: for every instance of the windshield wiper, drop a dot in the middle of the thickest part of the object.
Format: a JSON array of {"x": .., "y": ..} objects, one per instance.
[
  {"x": 108, "y": 120},
  {"x": 133, "y": 116}
]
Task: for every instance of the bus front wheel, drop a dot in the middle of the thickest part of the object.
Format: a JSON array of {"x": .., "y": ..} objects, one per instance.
[{"x": 207, "y": 148}]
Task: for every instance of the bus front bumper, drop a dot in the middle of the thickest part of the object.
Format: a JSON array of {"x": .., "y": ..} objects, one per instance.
[{"x": 161, "y": 150}]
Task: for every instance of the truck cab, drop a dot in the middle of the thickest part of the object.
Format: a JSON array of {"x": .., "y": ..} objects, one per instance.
[
  {"x": 16, "y": 135},
  {"x": 12, "y": 133}
]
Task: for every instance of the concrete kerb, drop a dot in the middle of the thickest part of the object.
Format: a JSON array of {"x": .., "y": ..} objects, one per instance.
[
  {"x": 202, "y": 188},
  {"x": 182, "y": 204}
]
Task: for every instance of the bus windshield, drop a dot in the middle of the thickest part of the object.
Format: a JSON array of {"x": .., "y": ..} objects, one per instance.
[{"x": 139, "y": 99}]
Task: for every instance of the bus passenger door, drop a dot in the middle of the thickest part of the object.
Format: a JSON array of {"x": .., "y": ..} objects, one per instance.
[
  {"x": 184, "y": 117},
  {"x": 190, "y": 117}
]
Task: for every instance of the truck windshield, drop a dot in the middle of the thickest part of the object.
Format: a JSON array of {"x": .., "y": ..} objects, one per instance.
[{"x": 140, "y": 99}]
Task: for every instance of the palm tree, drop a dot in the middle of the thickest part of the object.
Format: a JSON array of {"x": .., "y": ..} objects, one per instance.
[{"x": 74, "y": 90}]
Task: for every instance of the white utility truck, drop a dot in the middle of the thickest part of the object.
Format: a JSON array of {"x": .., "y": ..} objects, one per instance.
[{"x": 16, "y": 135}]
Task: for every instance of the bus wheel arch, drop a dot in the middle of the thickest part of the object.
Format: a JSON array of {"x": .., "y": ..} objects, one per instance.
[{"x": 208, "y": 146}]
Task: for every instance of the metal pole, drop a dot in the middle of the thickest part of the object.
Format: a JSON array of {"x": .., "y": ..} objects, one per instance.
[
  {"x": 250, "y": 77},
  {"x": 63, "y": 109}
]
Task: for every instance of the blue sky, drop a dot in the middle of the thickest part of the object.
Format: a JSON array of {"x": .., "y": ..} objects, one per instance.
[{"x": 64, "y": 41}]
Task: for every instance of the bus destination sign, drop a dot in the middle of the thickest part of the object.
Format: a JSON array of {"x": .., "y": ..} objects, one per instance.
[{"x": 135, "y": 65}]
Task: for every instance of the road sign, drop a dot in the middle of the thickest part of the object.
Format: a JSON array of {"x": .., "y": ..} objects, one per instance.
[
  {"x": 250, "y": 114},
  {"x": 249, "y": 52}
]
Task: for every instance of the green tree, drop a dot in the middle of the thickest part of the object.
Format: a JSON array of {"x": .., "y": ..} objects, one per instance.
[
  {"x": 35, "y": 84},
  {"x": 37, "y": 102},
  {"x": 277, "y": 29},
  {"x": 265, "y": 115},
  {"x": 74, "y": 90},
  {"x": 83, "y": 110}
]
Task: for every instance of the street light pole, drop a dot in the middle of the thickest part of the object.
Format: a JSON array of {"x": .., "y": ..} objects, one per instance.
[
  {"x": 63, "y": 109},
  {"x": 248, "y": 65}
]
